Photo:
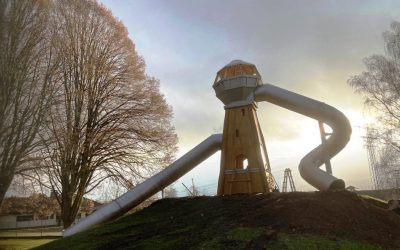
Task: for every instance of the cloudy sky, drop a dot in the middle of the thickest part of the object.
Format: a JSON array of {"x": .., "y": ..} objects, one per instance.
[{"x": 310, "y": 47}]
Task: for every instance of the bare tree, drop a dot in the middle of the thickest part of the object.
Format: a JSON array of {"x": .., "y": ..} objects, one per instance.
[
  {"x": 25, "y": 72},
  {"x": 169, "y": 192},
  {"x": 109, "y": 120},
  {"x": 380, "y": 86}
]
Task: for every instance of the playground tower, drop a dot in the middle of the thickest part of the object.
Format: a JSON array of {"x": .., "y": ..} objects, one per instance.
[{"x": 244, "y": 160}]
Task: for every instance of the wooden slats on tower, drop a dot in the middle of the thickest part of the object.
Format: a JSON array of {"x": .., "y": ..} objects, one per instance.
[{"x": 244, "y": 166}]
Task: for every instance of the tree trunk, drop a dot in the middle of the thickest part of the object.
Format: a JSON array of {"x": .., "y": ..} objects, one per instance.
[
  {"x": 67, "y": 214},
  {"x": 70, "y": 208},
  {"x": 5, "y": 182},
  {"x": 67, "y": 218}
]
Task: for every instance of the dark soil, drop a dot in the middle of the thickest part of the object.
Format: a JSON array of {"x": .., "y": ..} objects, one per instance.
[
  {"x": 187, "y": 223},
  {"x": 332, "y": 214}
]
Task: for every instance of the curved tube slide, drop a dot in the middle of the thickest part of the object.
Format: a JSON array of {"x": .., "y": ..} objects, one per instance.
[
  {"x": 150, "y": 186},
  {"x": 309, "y": 165}
]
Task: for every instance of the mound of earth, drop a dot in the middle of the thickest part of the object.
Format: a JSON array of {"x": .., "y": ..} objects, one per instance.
[{"x": 246, "y": 222}]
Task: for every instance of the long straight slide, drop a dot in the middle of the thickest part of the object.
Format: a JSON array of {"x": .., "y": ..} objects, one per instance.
[{"x": 149, "y": 187}]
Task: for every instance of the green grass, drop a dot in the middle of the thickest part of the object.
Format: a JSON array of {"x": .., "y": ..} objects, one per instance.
[
  {"x": 235, "y": 238},
  {"x": 198, "y": 224},
  {"x": 32, "y": 232},
  {"x": 245, "y": 234},
  {"x": 373, "y": 198},
  {"x": 312, "y": 242},
  {"x": 22, "y": 244},
  {"x": 252, "y": 238},
  {"x": 288, "y": 242}
]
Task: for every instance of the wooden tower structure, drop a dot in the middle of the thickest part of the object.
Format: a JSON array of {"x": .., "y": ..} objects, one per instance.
[{"x": 244, "y": 160}]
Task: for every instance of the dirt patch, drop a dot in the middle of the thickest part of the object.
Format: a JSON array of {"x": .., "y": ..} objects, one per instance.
[{"x": 333, "y": 214}]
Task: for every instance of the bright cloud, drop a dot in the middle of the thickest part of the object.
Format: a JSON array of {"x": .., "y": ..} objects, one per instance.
[{"x": 310, "y": 47}]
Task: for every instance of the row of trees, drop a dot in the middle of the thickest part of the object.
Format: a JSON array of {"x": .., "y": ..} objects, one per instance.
[{"x": 76, "y": 106}]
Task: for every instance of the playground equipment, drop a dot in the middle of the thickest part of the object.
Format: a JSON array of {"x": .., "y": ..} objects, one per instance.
[
  {"x": 238, "y": 85},
  {"x": 245, "y": 166},
  {"x": 288, "y": 176}
]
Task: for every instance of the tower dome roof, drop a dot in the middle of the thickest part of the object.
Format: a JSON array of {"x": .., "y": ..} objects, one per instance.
[
  {"x": 235, "y": 83},
  {"x": 237, "y": 68},
  {"x": 236, "y": 62}
]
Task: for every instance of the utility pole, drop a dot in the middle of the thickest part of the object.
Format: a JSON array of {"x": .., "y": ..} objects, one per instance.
[{"x": 193, "y": 192}]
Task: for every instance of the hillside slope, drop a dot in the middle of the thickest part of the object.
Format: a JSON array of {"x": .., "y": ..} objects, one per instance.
[{"x": 315, "y": 220}]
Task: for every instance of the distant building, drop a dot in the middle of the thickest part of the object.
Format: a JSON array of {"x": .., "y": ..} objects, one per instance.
[{"x": 37, "y": 210}]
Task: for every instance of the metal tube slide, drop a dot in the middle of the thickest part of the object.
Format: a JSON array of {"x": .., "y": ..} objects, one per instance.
[
  {"x": 149, "y": 187},
  {"x": 341, "y": 131}
]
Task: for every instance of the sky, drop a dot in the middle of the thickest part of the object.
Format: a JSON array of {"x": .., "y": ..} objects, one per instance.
[{"x": 309, "y": 47}]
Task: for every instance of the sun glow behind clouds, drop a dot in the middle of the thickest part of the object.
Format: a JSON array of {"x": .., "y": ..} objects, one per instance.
[
  {"x": 288, "y": 140},
  {"x": 286, "y": 152}
]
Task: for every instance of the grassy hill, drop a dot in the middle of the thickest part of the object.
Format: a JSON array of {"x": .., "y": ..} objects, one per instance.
[{"x": 317, "y": 220}]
